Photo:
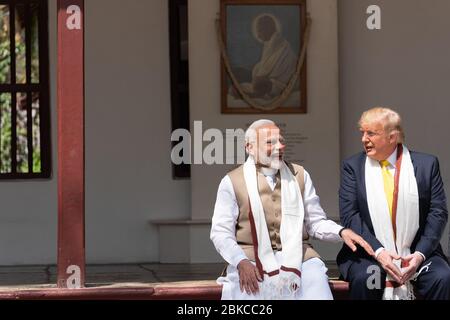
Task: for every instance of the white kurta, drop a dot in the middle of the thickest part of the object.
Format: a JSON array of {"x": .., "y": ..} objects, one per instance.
[
  {"x": 223, "y": 235},
  {"x": 313, "y": 283}
]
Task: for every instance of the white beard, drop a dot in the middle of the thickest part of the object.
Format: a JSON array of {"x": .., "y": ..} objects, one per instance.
[
  {"x": 275, "y": 164},
  {"x": 271, "y": 162}
]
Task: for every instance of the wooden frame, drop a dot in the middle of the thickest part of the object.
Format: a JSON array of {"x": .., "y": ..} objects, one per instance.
[
  {"x": 71, "y": 168},
  {"x": 244, "y": 47}
]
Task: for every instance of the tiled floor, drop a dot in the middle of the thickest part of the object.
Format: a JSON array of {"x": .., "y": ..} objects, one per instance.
[{"x": 101, "y": 275}]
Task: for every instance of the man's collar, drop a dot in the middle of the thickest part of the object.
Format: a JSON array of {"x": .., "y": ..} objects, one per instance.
[
  {"x": 266, "y": 171},
  {"x": 392, "y": 159}
]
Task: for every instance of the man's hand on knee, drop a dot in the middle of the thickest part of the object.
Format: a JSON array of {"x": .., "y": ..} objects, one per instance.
[
  {"x": 248, "y": 277},
  {"x": 385, "y": 258},
  {"x": 412, "y": 261}
]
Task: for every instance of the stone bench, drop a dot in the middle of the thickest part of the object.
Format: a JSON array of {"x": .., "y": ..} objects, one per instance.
[{"x": 210, "y": 290}]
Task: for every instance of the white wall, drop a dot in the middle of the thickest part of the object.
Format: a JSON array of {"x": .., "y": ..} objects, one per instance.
[
  {"x": 128, "y": 169},
  {"x": 320, "y": 124},
  {"x": 28, "y": 212},
  {"x": 405, "y": 65}
]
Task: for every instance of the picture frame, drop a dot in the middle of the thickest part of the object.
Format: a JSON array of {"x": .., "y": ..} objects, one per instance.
[{"x": 263, "y": 44}]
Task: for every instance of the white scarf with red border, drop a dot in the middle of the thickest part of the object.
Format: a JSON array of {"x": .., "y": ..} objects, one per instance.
[
  {"x": 407, "y": 221},
  {"x": 279, "y": 281}
]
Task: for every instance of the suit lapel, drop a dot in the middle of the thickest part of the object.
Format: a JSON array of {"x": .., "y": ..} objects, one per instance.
[
  {"x": 416, "y": 169},
  {"x": 364, "y": 209},
  {"x": 362, "y": 178},
  {"x": 414, "y": 162}
]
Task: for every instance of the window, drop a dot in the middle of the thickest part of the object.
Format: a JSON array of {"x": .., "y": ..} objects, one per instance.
[{"x": 24, "y": 90}]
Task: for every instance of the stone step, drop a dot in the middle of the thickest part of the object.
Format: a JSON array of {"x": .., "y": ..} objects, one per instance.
[{"x": 184, "y": 290}]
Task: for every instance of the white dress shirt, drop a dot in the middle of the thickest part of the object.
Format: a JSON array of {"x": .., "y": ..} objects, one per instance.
[
  {"x": 226, "y": 212},
  {"x": 392, "y": 159}
]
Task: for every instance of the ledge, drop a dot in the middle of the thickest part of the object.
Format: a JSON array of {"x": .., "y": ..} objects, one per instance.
[
  {"x": 78, "y": 294},
  {"x": 186, "y": 290},
  {"x": 163, "y": 222}
]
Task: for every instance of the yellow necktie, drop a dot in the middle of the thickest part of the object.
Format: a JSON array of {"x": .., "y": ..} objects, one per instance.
[{"x": 388, "y": 180}]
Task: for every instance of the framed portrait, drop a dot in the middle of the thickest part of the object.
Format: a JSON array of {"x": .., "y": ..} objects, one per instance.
[{"x": 263, "y": 56}]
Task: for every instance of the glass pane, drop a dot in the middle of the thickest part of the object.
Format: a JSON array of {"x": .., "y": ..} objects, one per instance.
[
  {"x": 21, "y": 76},
  {"x": 5, "y": 58},
  {"x": 22, "y": 143},
  {"x": 5, "y": 133},
  {"x": 36, "y": 134},
  {"x": 34, "y": 43}
]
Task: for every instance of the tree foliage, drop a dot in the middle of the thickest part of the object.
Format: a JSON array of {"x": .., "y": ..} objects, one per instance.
[{"x": 21, "y": 97}]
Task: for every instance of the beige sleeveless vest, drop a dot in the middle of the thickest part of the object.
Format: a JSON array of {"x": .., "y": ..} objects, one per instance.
[{"x": 271, "y": 201}]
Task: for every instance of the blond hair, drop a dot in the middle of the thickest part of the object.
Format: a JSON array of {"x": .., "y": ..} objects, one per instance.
[{"x": 391, "y": 121}]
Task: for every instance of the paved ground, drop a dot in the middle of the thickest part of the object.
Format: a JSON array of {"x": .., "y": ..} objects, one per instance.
[{"x": 101, "y": 275}]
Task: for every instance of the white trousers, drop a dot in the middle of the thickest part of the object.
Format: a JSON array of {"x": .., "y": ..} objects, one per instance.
[{"x": 313, "y": 286}]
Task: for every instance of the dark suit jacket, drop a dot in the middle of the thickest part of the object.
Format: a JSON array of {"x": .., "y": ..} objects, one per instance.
[{"x": 354, "y": 211}]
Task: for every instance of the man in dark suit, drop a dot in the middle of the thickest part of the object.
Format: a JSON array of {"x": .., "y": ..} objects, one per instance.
[{"x": 402, "y": 221}]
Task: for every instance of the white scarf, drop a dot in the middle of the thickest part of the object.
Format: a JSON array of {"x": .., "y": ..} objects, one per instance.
[
  {"x": 407, "y": 215},
  {"x": 283, "y": 281}
]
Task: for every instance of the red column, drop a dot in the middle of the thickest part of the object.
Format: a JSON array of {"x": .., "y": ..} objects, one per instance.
[{"x": 71, "y": 243}]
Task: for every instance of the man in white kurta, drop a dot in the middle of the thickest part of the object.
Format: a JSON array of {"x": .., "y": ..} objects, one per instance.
[{"x": 244, "y": 229}]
